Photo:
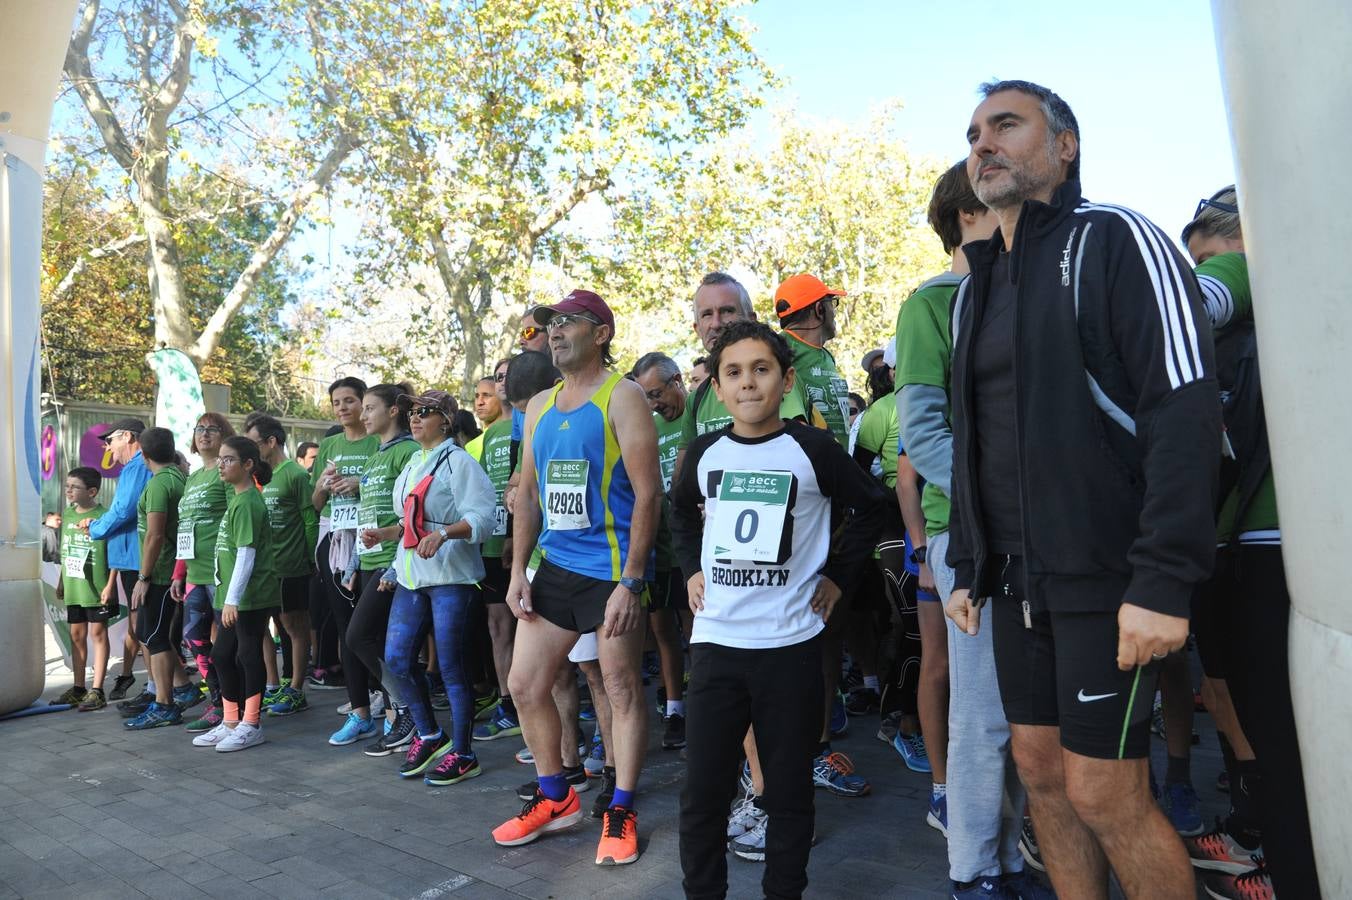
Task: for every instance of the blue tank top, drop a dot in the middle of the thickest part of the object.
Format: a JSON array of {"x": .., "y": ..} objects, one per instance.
[{"x": 586, "y": 498}]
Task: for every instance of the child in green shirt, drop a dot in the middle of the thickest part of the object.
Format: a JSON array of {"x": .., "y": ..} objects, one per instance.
[{"x": 84, "y": 587}]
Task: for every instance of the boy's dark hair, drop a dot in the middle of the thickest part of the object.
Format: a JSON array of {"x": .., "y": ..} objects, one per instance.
[
  {"x": 464, "y": 426},
  {"x": 355, "y": 384},
  {"x": 157, "y": 445},
  {"x": 248, "y": 452},
  {"x": 268, "y": 427},
  {"x": 89, "y": 477},
  {"x": 749, "y": 331},
  {"x": 305, "y": 447},
  {"x": 952, "y": 195},
  {"x": 528, "y": 374}
]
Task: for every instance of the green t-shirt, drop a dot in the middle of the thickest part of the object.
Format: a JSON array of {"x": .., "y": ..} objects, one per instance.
[
  {"x": 1224, "y": 280},
  {"x": 246, "y": 525},
  {"x": 377, "y": 501},
  {"x": 199, "y": 517},
  {"x": 495, "y": 455},
  {"x": 668, "y": 443},
  {"x": 924, "y": 355},
  {"x": 292, "y": 517},
  {"x": 704, "y": 412},
  {"x": 349, "y": 456},
  {"x": 878, "y": 435},
  {"x": 826, "y": 390},
  {"x": 84, "y": 561},
  {"x": 161, "y": 495}
]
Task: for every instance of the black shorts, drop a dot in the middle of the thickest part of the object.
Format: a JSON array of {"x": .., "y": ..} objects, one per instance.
[
  {"x": 155, "y": 626},
  {"x": 493, "y": 587},
  {"x": 668, "y": 591},
  {"x": 1211, "y": 601},
  {"x": 79, "y": 615},
  {"x": 1062, "y": 671},
  {"x": 296, "y": 593},
  {"x": 571, "y": 601}
]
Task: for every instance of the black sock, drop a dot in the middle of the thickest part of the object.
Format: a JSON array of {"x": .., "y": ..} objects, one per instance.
[
  {"x": 508, "y": 706},
  {"x": 823, "y": 748},
  {"x": 1243, "y": 822},
  {"x": 1179, "y": 770}
]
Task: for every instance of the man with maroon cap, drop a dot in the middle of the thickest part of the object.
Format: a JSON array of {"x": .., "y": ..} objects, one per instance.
[
  {"x": 589, "y": 496},
  {"x": 807, "y": 314}
]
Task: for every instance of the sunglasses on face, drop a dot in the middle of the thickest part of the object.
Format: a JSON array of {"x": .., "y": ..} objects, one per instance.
[
  {"x": 528, "y": 333},
  {"x": 502, "y": 376},
  {"x": 567, "y": 319},
  {"x": 423, "y": 412},
  {"x": 854, "y": 410}
]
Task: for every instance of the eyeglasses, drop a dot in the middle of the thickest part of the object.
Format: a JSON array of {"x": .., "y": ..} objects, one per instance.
[
  {"x": 1215, "y": 204},
  {"x": 528, "y": 333},
  {"x": 500, "y": 376},
  {"x": 854, "y": 410},
  {"x": 656, "y": 393},
  {"x": 423, "y": 412},
  {"x": 206, "y": 429},
  {"x": 227, "y": 460},
  {"x": 567, "y": 319}
]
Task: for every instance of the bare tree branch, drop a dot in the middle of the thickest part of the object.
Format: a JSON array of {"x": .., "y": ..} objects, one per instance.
[
  {"x": 114, "y": 247},
  {"x": 82, "y": 79}
]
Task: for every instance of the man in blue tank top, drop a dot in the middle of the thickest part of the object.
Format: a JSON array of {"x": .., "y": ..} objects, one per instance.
[{"x": 589, "y": 495}]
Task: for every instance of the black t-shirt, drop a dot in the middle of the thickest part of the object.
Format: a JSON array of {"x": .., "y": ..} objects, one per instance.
[{"x": 994, "y": 410}]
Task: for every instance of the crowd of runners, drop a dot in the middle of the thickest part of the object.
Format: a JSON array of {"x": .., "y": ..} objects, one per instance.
[{"x": 1056, "y": 489}]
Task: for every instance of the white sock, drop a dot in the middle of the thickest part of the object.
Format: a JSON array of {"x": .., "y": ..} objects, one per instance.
[
  {"x": 675, "y": 707},
  {"x": 939, "y": 789},
  {"x": 270, "y": 688},
  {"x": 150, "y": 687},
  {"x": 871, "y": 682}
]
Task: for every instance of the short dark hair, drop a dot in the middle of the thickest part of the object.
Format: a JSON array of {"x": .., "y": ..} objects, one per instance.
[
  {"x": 355, "y": 384},
  {"x": 157, "y": 445},
  {"x": 528, "y": 374},
  {"x": 1056, "y": 111},
  {"x": 745, "y": 330},
  {"x": 700, "y": 361},
  {"x": 952, "y": 195},
  {"x": 305, "y": 447},
  {"x": 89, "y": 477},
  {"x": 463, "y": 425},
  {"x": 268, "y": 427}
]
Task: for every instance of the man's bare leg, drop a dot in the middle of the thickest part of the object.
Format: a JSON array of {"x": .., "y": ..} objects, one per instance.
[
  {"x": 568, "y": 703},
  {"x": 501, "y": 630},
  {"x": 620, "y": 658},
  {"x": 547, "y": 646},
  {"x": 79, "y": 652},
  {"x": 1075, "y": 861},
  {"x": 297, "y": 625},
  {"x": 596, "y": 686}
]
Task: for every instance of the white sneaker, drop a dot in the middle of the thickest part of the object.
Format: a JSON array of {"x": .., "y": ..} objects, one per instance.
[
  {"x": 213, "y": 737},
  {"x": 751, "y": 845},
  {"x": 377, "y": 703},
  {"x": 745, "y": 817},
  {"x": 242, "y": 737},
  {"x": 344, "y": 709}
]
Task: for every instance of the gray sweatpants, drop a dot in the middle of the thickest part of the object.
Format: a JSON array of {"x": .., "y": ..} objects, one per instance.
[{"x": 985, "y": 797}]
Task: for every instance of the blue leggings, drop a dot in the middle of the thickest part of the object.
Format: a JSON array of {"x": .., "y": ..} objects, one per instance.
[{"x": 446, "y": 608}]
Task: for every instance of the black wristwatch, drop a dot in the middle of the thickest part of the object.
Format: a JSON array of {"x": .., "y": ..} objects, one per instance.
[
  {"x": 142, "y": 579},
  {"x": 918, "y": 555},
  {"x": 634, "y": 585}
]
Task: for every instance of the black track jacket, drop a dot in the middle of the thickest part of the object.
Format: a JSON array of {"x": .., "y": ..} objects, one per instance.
[{"x": 1118, "y": 426}]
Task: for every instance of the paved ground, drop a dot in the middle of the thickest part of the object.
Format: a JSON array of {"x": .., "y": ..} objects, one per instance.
[{"x": 88, "y": 810}]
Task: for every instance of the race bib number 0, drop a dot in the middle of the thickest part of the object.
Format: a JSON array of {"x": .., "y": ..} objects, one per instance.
[
  {"x": 75, "y": 564},
  {"x": 566, "y": 495},
  {"x": 499, "y": 521},
  {"x": 362, "y": 549},
  {"x": 343, "y": 515},
  {"x": 748, "y": 522},
  {"x": 187, "y": 544}
]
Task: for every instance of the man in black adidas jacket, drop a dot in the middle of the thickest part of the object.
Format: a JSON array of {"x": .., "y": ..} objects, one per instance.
[{"x": 1086, "y": 437}]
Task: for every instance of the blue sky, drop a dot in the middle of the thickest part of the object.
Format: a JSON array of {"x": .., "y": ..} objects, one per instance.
[{"x": 1143, "y": 81}]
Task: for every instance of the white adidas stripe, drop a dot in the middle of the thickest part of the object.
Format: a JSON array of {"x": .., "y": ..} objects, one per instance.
[
  {"x": 1182, "y": 357},
  {"x": 1220, "y": 303}
]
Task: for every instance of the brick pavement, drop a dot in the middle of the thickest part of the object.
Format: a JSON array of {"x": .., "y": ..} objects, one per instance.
[{"x": 88, "y": 810}]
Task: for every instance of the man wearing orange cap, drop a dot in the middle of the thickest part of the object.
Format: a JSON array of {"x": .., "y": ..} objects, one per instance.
[{"x": 807, "y": 313}]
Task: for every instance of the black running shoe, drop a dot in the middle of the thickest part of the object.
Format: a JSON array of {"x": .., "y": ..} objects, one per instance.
[
  {"x": 398, "y": 733},
  {"x": 607, "y": 793},
  {"x": 136, "y": 705},
  {"x": 1032, "y": 854},
  {"x": 575, "y": 776},
  {"x": 121, "y": 685},
  {"x": 423, "y": 752},
  {"x": 673, "y": 732}
]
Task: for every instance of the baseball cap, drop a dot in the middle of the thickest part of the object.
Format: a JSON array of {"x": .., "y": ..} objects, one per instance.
[
  {"x": 870, "y": 358},
  {"x": 135, "y": 426},
  {"x": 433, "y": 398},
  {"x": 801, "y": 291},
  {"x": 578, "y": 301}
]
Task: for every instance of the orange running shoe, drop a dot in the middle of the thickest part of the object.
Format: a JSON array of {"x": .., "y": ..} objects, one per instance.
[
  {"x": 538, "y": 816},
  {"x": 619, "y": 837}
]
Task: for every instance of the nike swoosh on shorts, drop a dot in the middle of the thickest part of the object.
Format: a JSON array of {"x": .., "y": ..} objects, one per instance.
[{"x": 1090, "y": 698}]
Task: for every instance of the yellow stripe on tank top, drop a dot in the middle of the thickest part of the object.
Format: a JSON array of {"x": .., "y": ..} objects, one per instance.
[{"x": 612, "y": 459}]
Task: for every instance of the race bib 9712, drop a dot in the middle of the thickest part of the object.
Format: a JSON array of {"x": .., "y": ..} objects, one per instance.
[{"x": 343, "y": 515}]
